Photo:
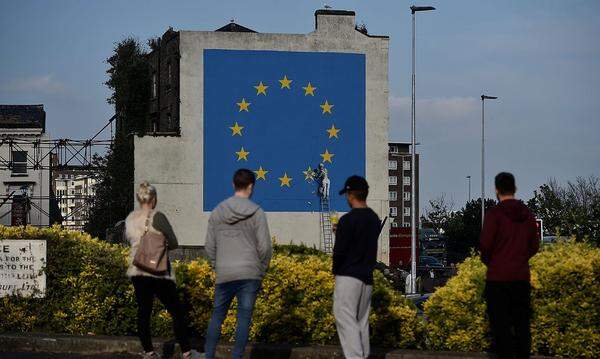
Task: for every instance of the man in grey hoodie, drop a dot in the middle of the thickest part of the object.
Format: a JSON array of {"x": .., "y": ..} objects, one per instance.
[{"x": 238, "y": 245}]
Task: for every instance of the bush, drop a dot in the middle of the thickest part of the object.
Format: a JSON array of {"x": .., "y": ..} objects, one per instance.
[
  {"x": 295, "y": 305},
  {"x": 565, "y": 300},
  {"x": 87, "y": 292}
]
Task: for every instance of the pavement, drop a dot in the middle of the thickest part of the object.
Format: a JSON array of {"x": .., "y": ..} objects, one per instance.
[
  {"x": 39, "y": 345},
  {"x": 46, "y": 355}
]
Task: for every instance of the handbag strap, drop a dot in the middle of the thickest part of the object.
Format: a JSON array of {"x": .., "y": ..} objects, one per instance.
[
  {"x": 147, "y": 222},
  {"x": 146, "y": 227}
]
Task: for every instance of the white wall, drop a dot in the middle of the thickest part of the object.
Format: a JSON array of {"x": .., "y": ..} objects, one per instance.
[
  {"x": 39, "y": 180},
  {"x": 174, "y": 164}
]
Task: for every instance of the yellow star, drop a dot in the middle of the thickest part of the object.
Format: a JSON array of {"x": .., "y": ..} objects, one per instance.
[
  {"x": 236, "y": 129},
  {"x": 285, "y": 180},
  {"x": 308, "y": 173},
  {"x": 242, "y": 154},
  {"x": 327, "y": 156},
  {"x": 333, "y": 132},
  {"x": 260, "y": 173},
  {"x": 243, "y": 105},
  {"x": 309, "y": 90},
  {"x": 326, "y": 107},
  {"x": 261, "y": 89},
  {"x": 285, "y": 83}
]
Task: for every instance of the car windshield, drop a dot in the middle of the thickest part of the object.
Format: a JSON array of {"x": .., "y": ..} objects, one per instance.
[
  {"x": 429, "y": 261},
  {"x": 428, "y": 232}
]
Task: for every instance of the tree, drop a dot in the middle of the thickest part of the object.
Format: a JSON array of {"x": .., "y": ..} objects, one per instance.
[
  {"x": 463, "y": 229},
  {"x": 570, "y": 210},
  {"x": 129, "y": 79},
  {"x": 438, "y": 213}
]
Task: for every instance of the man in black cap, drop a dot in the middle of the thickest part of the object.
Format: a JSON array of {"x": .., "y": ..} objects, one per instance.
[{"x": 354, "y": 257}]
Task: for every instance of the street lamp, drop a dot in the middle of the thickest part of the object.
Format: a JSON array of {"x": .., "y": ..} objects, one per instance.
[
  {"x": 413, "y": 215},
  {"x": 469, "y": 179},
  {"x": 483, "y": 98}
]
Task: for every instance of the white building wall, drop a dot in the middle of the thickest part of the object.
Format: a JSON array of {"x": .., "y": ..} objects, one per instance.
[
  {"x": 38, "y": 181},
  {"x": 174, "y": 164}
]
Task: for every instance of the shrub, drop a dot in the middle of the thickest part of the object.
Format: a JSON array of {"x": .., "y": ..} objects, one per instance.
[
  {"x": 565, "y": 300},
  {"x": 87, "y": 292},
  {"x": 295, "y": 305}
]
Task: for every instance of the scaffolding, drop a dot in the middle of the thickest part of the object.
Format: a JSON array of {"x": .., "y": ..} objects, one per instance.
[
  {"x": 69, "y": 153},
  {"x": 54, "y": 155}
]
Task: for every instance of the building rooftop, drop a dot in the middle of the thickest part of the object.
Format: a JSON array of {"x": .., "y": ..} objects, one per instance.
[
  {"x": 23, "y": 116},
  {"x": 233, "y": 27}
]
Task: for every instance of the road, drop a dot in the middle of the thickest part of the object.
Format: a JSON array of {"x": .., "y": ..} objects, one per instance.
[{"x": 38, "y": 355}]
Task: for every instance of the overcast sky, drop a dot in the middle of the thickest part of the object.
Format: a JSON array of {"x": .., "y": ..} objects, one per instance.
[{"x": 542, "y": 58}]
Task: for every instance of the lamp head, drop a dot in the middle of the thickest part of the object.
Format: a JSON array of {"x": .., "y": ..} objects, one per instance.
[
  {"x": 486, "y": 97},
  {"x": 414, "y": 9}
]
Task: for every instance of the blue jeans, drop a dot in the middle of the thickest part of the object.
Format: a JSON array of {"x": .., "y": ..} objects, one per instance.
[{"x": 245, "y": 291}]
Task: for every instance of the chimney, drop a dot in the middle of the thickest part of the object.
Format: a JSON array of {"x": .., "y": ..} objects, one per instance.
[{"x": 334, "y": 21}]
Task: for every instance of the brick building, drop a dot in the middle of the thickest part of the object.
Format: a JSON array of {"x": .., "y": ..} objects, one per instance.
[
  {"x": 164, "y": 93},
  {"x": 399, "y": 172}
]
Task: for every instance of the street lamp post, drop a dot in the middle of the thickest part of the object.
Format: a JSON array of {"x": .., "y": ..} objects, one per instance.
[
  {"x": 483, "y": 98},
  {"x": 413, "y": 215},
  {"x": 469, "y": 180}
]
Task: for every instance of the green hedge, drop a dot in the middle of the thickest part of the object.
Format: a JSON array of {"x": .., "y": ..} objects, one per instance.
[
  {"x": 565, "y": 300},
  {"x": 87, "y": 292}
]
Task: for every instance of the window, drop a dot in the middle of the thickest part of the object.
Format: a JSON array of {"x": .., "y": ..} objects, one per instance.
[
  {"x": 154, "y": 85},
  {"x": 393, "y": 196},
  {"x": 392, "y": 165},
  {"x": 406, "y": 196},
  {"x": 393, "y": 211},
  {"x": 394, "y": 149},
  {"x": 394, "y": 225},
  {"x": 393, "y": 180},
  {"x": 406, "y": 180},
  {"x": 19, "y": 162},
  {"x": 407, "y": 211},
  {"x": 406, "y": 165}
]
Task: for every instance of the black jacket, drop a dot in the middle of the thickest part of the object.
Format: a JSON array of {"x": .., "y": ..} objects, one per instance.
[{"x": 355, "y": 249}]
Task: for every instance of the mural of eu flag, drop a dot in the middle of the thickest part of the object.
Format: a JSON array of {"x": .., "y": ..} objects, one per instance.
[{"x": 281, "y": 114}]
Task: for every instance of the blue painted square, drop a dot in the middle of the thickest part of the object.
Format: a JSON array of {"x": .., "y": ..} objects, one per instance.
[{"x": 284, "y": 129}]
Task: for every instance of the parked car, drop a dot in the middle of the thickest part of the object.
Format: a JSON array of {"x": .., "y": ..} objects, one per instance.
[
  {"x": 428, "y": 261},
  {"x": 427, "y": 234}
]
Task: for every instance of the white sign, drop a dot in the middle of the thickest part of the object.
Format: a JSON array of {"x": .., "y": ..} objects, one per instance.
[{"x": 22, "y": 264}]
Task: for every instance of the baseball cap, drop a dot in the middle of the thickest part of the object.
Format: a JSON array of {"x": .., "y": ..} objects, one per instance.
[{"x": 355, "y": 183}]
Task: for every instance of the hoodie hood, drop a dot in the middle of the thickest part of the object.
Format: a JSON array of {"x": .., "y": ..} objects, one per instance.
[
  {"x": 515, "y": 210},
  {"x": 235, "y": 209}
]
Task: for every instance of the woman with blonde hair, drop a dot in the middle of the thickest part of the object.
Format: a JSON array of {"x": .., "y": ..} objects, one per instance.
[{"x": 148, "y": 285}]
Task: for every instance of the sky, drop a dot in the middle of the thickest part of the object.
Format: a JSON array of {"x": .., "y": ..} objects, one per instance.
[{"x": 541, "y": 58}]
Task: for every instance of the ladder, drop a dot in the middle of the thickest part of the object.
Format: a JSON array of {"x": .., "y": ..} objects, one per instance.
[{"x": 327, "y": 243}]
